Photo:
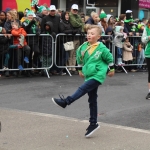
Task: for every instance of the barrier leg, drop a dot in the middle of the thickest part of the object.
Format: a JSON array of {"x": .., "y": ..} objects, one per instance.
[
  {"x": 68, "y": 72},
  {"x": 47, "y": 73},
  {"x": 124, "y": 70}
]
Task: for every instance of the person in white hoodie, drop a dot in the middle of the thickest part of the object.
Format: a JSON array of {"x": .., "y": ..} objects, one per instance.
[
  {"x": 120, "y": 37},
  {"x": 110, "y": 21}
]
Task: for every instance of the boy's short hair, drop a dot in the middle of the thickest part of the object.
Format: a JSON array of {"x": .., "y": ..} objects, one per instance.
[
  {"x": 95, "y": 27},
  {"x": 15, "y": 23}
]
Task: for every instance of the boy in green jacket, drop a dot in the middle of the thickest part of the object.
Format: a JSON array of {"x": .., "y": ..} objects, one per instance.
[{"x": 94, "y": 58}]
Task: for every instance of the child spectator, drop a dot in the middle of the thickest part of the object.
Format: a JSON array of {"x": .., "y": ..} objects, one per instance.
[
  {"x": 46, "y": 52},
  {"x": 118, "y": 40},
  {"x": 127, "y": 54},
  {"x": 141, "y": 56},
  {"x": 94, "y": 58},
  {"x": 108, "y": 40},
  {"x": 19, "y": 43}
]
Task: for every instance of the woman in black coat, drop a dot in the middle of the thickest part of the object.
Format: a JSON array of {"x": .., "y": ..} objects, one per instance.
[{"x": 66, "y": 27}]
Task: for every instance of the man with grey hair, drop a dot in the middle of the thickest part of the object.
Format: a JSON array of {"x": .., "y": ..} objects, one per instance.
[{"x": 94, "y": 19}]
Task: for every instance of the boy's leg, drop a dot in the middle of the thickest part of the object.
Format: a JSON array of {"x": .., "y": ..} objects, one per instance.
[
  {"x": 82, "y": 90},
  {"x": 19, "y": 55},
  {"x": 93, "y": 112},
  {"x": 27, "y": 50},
  {"x": 93, "y": 105}
]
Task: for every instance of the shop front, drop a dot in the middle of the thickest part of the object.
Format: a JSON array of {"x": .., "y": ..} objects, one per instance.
[{"x": 144, "y": 9}]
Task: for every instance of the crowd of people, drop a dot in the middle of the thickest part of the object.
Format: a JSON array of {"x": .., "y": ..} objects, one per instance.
[{"x": 18, "y": 51}]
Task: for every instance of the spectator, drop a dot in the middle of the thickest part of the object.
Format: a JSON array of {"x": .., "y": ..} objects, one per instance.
[
  {"x": 46, "y": 49},
  {"x": 103, "y": 24},
  {"x": 78, "y": 25},
  {"x": 31, "y": 27},
  {"x": 129, "y": 22},
  {"x": 141, "y": 56},
  {"x": 122, "y": 18},
  {"x": 42, "y": 12},
  {"x": 94, "y": 19},
  {"x": 66, "y": 27},
  {"x": 55, "y": 19},
  {"x": 4, "y": 51},
  {"x": 2, "y": 18},
  {"x": 127, "y": 54},
  {"x": 119, "y": 38},
  {"x": 11, "y": 17},
  {"x": 110, "y": 21},
  {"x": 19, "y": 43}
]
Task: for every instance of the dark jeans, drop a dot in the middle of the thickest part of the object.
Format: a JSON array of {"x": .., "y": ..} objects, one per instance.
[
  {"x": 90, "y": 87},
  {"x": 26, "y": 50},
  {"x": 148, "y": 67}
]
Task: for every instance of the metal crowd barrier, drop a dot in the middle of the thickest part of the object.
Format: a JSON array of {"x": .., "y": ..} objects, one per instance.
[
  {"x": 137, "y": 60},
  {"x": 65, "y": 59},
  {"x": 41, "y": 54},
  {"x": 62, "y": 57}
]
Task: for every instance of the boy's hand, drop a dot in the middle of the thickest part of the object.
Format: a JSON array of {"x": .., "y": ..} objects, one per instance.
[
  {"x": 111, "y": 73},
  {"x": 81, "y": 74}
]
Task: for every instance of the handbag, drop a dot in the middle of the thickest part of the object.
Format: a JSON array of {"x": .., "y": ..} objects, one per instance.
[{"x": 69, "y": 46}]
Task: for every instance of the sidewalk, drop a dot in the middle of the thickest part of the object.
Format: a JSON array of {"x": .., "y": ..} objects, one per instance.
[{"x": 23, "y": 130}]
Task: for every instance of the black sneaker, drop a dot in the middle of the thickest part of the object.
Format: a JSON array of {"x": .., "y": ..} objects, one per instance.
[
  {"x": 148, "y": 96},
  {"x": 60, "y": 102},
  {"x": 91, "y": 129}
]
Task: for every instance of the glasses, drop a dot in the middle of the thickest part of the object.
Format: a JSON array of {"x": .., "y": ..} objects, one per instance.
[{"x": 75, "y": 10}]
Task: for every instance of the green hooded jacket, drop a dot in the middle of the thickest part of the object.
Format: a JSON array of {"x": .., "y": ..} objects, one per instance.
[{"x": 94, "y": 65}]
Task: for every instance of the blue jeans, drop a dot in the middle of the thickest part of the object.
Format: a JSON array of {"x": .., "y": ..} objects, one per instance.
[
  {"x": 119, "y": 52},
  {"x": 90, "y": 87},
  {"x": 140, "y": 58}
]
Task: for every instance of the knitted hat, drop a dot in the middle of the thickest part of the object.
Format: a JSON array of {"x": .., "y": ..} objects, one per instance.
[
  {"x": 41, "y": 9},
  {"x": 102, "y": 15},
  {"x": 30, "y": 13},
  {"x": 129, "y": 17}
]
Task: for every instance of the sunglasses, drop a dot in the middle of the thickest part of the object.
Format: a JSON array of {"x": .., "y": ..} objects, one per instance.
[{"x": 75, "y": 10}]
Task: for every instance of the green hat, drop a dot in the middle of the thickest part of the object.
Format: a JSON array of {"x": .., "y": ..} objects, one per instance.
[
  {"x": 102, "y": 15},
  {"x": 30, "y": 13},
  {"x": 129, "y": 20},
  {"x": 41, "y": 8}
]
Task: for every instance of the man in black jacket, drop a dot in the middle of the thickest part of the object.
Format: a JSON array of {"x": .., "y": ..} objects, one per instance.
[{"x": 55, "y": 19}]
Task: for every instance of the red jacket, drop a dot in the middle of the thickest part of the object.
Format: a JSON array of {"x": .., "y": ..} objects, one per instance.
[{"x": 16, "y": 35}]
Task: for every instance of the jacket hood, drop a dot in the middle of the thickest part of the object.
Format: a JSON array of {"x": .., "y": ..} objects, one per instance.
[
  {"x": 108, "y": 17},
  {"x": 109, "y": 29},
  {"x": 118, "y": 28},
  {"x": 50, "y": 24}
]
